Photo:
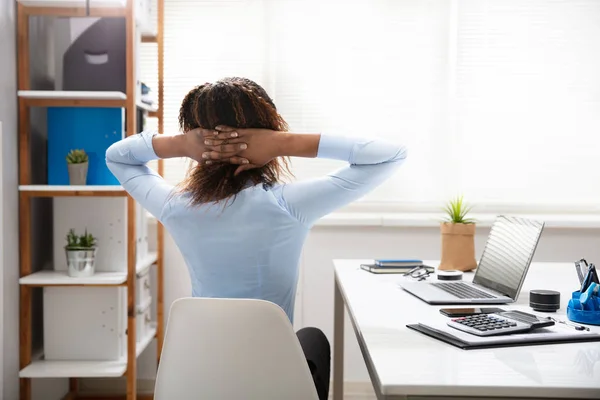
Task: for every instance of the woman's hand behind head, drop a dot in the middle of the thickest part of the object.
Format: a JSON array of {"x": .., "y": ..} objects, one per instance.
[
  {"x": 253, "y": 147},
  {"x": 227, "y": 150}
]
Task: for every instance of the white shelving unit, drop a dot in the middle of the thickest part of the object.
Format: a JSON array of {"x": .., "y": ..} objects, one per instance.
[{"x": 97, "y": 326}]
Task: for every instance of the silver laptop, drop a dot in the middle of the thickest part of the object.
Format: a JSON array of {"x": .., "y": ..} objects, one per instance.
[{"x": 501, "y": 270}]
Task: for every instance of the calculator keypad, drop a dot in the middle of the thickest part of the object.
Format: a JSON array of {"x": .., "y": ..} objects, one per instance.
[{"x": 487, "y": 325}]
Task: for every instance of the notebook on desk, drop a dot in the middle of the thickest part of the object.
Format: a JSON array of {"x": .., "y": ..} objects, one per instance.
[
  {"x": 552, "y": 335},
  {"x": 391, "y": 266}
]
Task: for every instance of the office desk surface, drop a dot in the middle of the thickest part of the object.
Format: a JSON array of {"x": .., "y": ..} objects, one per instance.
[{"x": 402, "y": 362}]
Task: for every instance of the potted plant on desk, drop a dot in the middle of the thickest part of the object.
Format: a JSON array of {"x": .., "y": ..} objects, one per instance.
[
  {"x": 81, "y": 254},
  {"x": 458, "y": 238},
  {"x": 77, "y": 164}
]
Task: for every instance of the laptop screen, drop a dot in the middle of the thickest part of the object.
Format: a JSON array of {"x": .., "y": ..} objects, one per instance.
[{"x": 508, "y": 254}]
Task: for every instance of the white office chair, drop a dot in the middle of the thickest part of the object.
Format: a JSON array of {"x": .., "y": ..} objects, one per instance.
[{"x": 229, "y": 349}]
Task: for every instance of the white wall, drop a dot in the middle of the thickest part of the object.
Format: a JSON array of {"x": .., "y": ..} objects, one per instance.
[
  {"x": 315, "y": 298},
  {"x": 9, "y": 353}
]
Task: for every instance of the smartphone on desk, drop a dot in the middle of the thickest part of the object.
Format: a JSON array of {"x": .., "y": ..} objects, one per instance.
[{"x": 464, "y": 312}]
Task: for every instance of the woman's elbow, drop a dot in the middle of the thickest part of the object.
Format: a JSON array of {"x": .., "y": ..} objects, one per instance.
[
  {"x": 401, "y": 153},
  {"x": 398, "y": 154},
  {"x": 111, "y": 157}
]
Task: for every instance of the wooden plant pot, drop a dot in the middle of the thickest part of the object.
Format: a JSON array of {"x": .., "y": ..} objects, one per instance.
[{"x": 458, "y": 247}]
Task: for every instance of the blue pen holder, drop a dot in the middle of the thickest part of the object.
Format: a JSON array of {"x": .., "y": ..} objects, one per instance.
[{"x": 584, "y": 308}]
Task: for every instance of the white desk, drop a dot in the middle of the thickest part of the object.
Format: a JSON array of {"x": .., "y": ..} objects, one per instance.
[{"x": 406, "y": 364}]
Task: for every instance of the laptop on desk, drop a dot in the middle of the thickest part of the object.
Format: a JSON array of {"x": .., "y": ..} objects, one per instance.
[{"x": 501, "y": 271}]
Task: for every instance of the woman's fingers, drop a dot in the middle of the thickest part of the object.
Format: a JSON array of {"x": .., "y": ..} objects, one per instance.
[
  {"x": 238, "y": 160},
  {"x": 244, "y": 167},
  {"x": 227, "y": 148},
  {"x": 231, "y": 160},
  {"x": 217, "y": 155},
  {"x": 204, "y": 132},
  {"x": 214, "y": 134},
  {"x": 218, "y": 142}
]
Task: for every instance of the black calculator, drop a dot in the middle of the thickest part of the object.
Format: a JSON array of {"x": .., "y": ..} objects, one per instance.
[{"x": 503, "y": 323}]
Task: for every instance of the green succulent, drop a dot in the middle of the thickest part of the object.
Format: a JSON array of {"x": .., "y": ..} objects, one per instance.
[
  {"x": 457, "y": 211},
  {"x": 79, "y": 242},
  {"x": 72, "y": 239},
  {"x": 77, "y": 157}
]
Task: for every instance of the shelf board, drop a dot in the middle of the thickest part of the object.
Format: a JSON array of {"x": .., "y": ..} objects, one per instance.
[
  {"x": 72, "y": 3},
  {"x": 76, "y": 98},
  {"x": 146, "y": 262},
  {"x": 142, "y": 344},
  {"x": 74, "y": 369},
  {"x": 60, "y": 278},
  {"x": 75, "y": 8},
  {"x": 73, "y": 190},
  {"x": 71, "y": 94},
  {"x": 149, "y": 38},
  {"x": 147, "y": 107},
  {"x": 72, "y": 98}
]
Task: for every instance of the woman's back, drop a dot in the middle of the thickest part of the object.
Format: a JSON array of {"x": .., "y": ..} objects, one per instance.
[
  {"x": 247, "y": 249},
  {"x": 240, "y": 229}
]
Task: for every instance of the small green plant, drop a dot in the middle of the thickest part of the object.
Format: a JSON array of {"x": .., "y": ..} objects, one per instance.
[
  {"x": 72, "y": 239},
  {"x": 77, "y": 157},
  {"x": 80, "y": 242},
  {"x": 457, "y": 211}
]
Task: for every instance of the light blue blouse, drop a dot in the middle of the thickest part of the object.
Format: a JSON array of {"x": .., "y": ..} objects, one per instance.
[{"x": 252, "y": 247}]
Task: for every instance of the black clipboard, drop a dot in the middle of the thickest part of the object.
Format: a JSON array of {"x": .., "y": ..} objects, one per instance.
[{"x": 469, "y": 346}]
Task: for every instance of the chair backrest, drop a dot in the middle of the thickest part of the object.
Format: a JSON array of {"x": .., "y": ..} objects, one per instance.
[{"x": 225, "y": 349}]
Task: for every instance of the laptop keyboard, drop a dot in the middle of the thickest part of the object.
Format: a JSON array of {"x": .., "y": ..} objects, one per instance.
[{"x": 463, "y": 291}]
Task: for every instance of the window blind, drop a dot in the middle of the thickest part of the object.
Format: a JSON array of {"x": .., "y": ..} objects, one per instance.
[{"x": 496, "y": 99}]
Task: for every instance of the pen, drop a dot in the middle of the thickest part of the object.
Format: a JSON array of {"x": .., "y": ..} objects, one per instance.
[{"x": 571, "y": 324}]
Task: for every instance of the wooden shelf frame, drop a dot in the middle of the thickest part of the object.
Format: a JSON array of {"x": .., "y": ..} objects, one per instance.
[{"x": 28, "y": 191}]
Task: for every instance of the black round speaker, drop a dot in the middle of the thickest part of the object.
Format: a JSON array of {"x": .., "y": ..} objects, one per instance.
[
  {"x": 449, "y": 275},
  {"x": 544, "y": 300}
]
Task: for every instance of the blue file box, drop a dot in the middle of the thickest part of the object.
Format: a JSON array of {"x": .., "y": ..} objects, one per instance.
[{"x": 90, "y": 129}]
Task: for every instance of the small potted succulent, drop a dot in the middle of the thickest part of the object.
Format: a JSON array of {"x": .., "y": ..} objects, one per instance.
[
  {"x": 81, "y": 254},
  {"x": 77, "y": 164},
  {"x": 458, "y": 238}
]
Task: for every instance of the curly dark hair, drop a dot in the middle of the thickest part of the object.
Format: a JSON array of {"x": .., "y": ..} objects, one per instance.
[{"x": 239, "y": 103}]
